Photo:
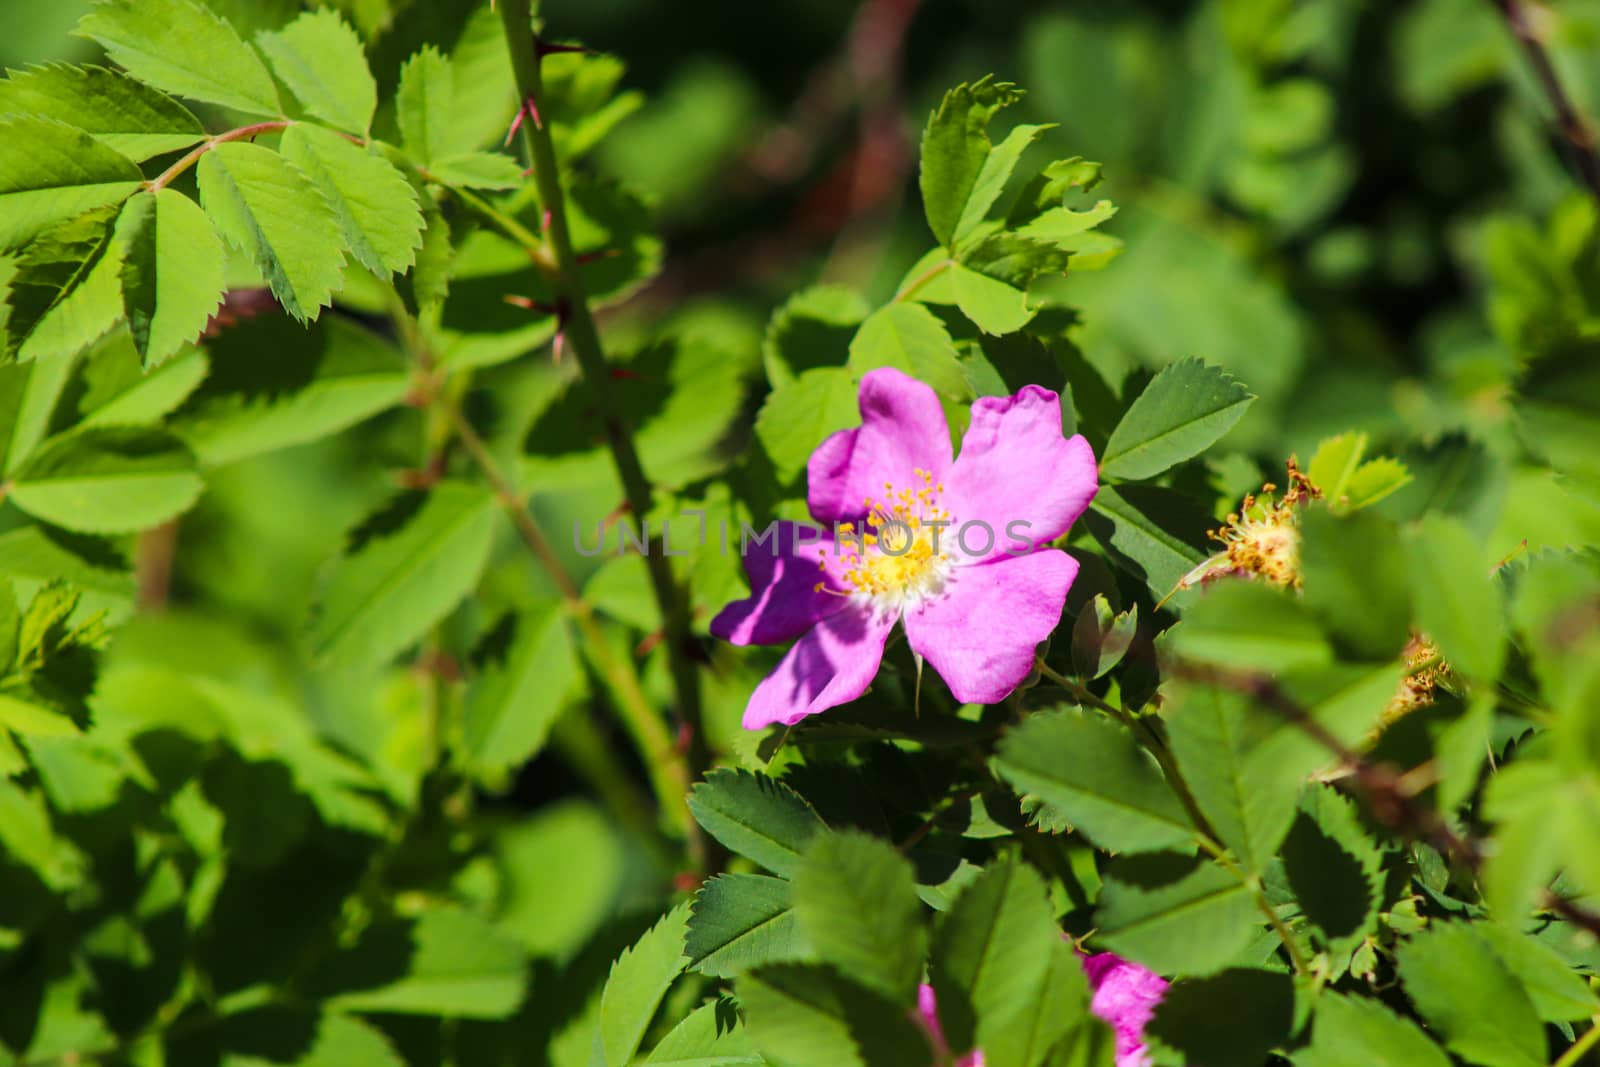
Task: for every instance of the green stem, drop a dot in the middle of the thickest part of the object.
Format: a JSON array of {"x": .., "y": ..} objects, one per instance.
[
  {"x": 584, "y": 338},
  {"x": 910, "y": 288},
  {"x": 166, "y": 177},
  {"x": 1080, "y": 692},
  {"x": 1253, "y": 884},
  {"x": 668, "y": 767},
  {"x": 1574, "y": 1055},
  {"x": 1204, "y": 834},
  {"x": 509, "y": 225}
]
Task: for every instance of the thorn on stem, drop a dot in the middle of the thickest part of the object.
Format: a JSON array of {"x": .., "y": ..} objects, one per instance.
[
  {"x": 530, "y": 109},
  {"x": 541, "y": 49},
  {"x": 529, "y": 304}
]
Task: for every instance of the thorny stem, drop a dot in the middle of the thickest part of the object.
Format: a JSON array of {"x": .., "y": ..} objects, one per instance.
[
  {"x": 189, "y": 159},
  {"x": 584, "y": 338},
  {"x": 668, "y": 768},
  {"x": 1390, "y": 801},
  {"x": 1576, "y": 136},
  {"x": 669, "y": 772}
]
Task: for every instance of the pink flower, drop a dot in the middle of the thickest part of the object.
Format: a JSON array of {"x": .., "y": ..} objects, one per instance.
[
  {"x": 928, "y": 1011},
  {"x": 1125, "y": 996},
  {"x": 944, "y": 544}
]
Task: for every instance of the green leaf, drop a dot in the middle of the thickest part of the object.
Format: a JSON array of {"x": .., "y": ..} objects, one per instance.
[
  {"x": 1180, "y": 414},
  {"x": 809, "y": 1016},
  {"x": 743, "y": 921},
  {"x": 455, "y": 965},
  {"x": 172, "y": 264},
  {"x": 1151, "y": 531},
  {"x": 1333, "y": 868},
  {"x": 706, "y": 1039},
  {"x": 1543, "y": 820},
  {"x": 1250, "y": 626},
  {"x": 319, "y": 57},
  {"x": 124, "y": 114},
  {"x": 51, "y": 293},
  {"x": 1559, "y": 993},
  {"x": 1014, "y": 258},
  {"x": 1055, "y": 1026},
  {"x": 995, "y": 306},
  {"x": 992, "y": 177},
  {"x": 813, "y": 329},
  {"x": 555, "y": 918},
  {"x": 1101, "y": 637},
  {"x": 10, "y": 622},
  {"x": 1095, "y": 773},
  {"x": 756, "y": 816},
  {"x": 910, "y": 338},
  {"x": 30, "y": 553},
  {"x": 1236, "y": 1017},
  {"x": 29, "y": 839},
  {"x": 1356, "y": 580},
  {"x": 513, "y": 703},
  {"x": 257, "y": 1037},
  {"x": 31, "y": 714},
  {"x": 183, "y": 47},
  {"x": 65, "y": 172},
  {"x": 1468, "y": 995},
  {"x": 1246, "y": 790},
  {"x": 274, "y": 385},
  {"x": 386, "y": 595},
  {"x": 797, "y": 417},
  {"x": 633, "y": 991},
  {"x": 1347, "y": 483},
  {"x": 119, "y": 392},
  {"x": 1362, "y": 1030},
  {"x": 377, "y": 209},
  {"x": 1461, "y": 750},
  {"x": 1173, "y": 913},
  {"x": 29, "y": 393},
  {"x": 425, "y": 109},
  {"x": 1459, "y": 604},
  {"x": 479, "y": 170},
  {"x": 956, "y": 153},
  {"x": 268, "y": 209},
  {"x": 856, "y": 901},
  {"x": 113, "y": 480},
  {"x": 991, "y": 955}
]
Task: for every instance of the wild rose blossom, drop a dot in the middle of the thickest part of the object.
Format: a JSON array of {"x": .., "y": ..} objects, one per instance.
[
  {"x": 1125, "y": 995},
  {"x": 945, "y": 544}
]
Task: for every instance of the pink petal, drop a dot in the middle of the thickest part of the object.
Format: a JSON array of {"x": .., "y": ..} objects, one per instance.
[
  {"x": 1125, "y": 995},
  {"x": 831, "y": 665},
  {"x": 928, "y": 1012},
  {"x": 902, "y": 429},
  {"x": 980, "y": 635},
  {"x": 783, "y": 602},
  {"x": 1015, "y": 466}
]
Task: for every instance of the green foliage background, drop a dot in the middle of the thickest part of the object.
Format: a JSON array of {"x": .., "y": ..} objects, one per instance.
[{"x": 305, "y": 758}]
